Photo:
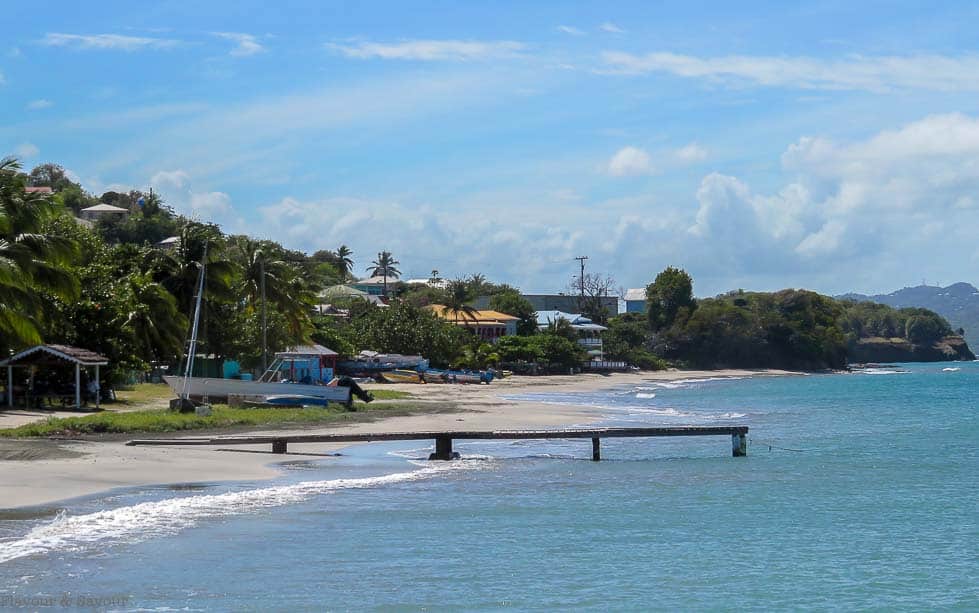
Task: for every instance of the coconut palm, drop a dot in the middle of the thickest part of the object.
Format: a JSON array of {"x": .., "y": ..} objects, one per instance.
[
  {"x": 32, "y": 263},
  {"x": 384, "y": 266},
  {"x": 152, "y": 317},
  {"x": 458, "y": 295},
  {"x": 344, "y": 262},
  {"x": 284, "y": 288}
]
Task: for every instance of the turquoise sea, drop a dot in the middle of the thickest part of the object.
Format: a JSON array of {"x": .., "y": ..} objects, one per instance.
[{"x": 860, "y": 491}]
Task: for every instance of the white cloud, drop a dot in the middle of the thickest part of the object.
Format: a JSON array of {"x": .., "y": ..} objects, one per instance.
[
  {"x": 26, "y": 151},
  {"x": 176, "y": 189},
  {"x": 691, "y": 153},
  {"x": 431, "y": 50},
  {"x": 573, "y": 31},
  {"x": 630, "y": 161},
  {"x": 246, "y": 44},
  {"x": 107, "y": 41},
  {"x": 897, "y": 202},
  {"x": 875, "y": 73},
  {"x": 611, "y": 28},
  {"x": 2, "y": 79},
  {"x": 35, "y": 105}
]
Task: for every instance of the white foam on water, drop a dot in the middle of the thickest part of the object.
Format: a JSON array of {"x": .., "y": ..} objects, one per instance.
[
  {"x": 951, "y": 369},
  {"x": 881, "y": 371},
  {"x": 165, "y": 517}
]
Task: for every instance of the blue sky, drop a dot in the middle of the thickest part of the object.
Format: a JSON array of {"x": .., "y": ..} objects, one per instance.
[{"x": 759, "y": 146}]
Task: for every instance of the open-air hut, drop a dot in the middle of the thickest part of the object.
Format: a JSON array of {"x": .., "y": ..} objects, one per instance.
[{"x": 55, "y": 355}]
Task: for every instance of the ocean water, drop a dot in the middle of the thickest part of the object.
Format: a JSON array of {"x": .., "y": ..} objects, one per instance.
[{"x": 859, "y": 491}]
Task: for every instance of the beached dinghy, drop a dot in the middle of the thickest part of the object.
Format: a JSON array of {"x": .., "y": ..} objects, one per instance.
[{"x": 402, "y": 376}]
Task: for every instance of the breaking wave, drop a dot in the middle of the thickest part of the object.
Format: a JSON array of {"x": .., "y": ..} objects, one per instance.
[{"x": 165, "y": 517}]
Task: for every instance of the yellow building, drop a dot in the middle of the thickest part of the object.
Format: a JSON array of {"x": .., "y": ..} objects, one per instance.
[{"x": 487, "y": 325}]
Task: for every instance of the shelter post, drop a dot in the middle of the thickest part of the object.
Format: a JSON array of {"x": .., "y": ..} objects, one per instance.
[
  {"x": 98, "y": 387},
  {"x": 10, "y": 386},
  {"x": 78, "y": 385}
]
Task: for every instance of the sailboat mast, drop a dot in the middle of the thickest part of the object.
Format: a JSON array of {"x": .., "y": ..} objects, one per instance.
[{"x": 189, "y": 371}]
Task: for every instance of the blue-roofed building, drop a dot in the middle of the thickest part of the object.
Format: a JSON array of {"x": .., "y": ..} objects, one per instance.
[{"x": 589, "y": 333}]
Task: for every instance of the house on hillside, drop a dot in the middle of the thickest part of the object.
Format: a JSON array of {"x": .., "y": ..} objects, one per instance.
[
  {"x": 43, "y": 189},
  {"x": 566, "y": 303},
  {"x": 589, "y": 333},
  {"x": 487, "y": 325},
  {"x": 374, "y": 285},
  {"x": 100, "y": 211},
  {"x": 341, "y": 295},
  {"x": 635, "y": 300},
  {"x": 169, "y": 243}
]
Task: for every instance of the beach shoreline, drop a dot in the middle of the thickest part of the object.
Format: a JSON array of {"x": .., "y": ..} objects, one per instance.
[{"x": 45, "y": 473}]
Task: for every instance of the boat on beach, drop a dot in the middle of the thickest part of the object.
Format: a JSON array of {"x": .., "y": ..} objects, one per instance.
[
  {"x": 402, "y": 376},
  {"x": 216, "y": 389}
]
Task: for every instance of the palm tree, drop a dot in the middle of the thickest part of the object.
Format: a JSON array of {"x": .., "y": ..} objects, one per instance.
[
  {"x": 458, "y": 294},
  {"x": 344, "y": 262},
  {"x": 285, "y": 289},
  {"x": 153, "y": 319},
  {"x": 384, "y": 266},
  {"x": 32, "y": 263}
]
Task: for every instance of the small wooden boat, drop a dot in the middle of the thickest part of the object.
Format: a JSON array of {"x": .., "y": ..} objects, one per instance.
[{"x": 402, "y": 376}]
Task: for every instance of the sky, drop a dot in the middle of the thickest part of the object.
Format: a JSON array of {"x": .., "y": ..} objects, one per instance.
[{"x": 832, "y": 146}]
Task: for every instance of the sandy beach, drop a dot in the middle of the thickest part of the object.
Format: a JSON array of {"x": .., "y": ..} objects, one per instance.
[{"x": 44, "y": 472}]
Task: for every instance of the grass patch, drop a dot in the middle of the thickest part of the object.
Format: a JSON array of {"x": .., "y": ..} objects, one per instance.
[
  {"x": 164, "y": 420},
  {"x": 389, "y": 394}
]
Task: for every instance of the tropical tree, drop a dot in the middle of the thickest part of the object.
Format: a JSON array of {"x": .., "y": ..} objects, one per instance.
[
  {"x": 458, "y": 295},
  {"x": 511, "y": 302},
  {"x": 344, "y": 262},
  {"x": 32, "y": 262},
  {"x": 385, "y": 266},
  {"x": 671, "y": 291},
  {"x": 152, "y": 318},
  {"x": 260, "y": 263}
]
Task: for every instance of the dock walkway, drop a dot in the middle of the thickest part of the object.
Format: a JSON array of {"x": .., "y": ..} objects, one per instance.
[{"x": 443, "y": 440}]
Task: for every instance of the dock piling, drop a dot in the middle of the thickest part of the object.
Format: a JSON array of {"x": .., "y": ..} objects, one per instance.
[
  {"x": 739, "y": 444},
  {"x": 443, "y": 449},
  {"x": 596, "y": 449},
  {"x": 279, "y": 445}
]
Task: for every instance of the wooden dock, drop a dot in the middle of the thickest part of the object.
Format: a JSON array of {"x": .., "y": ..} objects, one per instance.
[{"x": 443, "y": 440}]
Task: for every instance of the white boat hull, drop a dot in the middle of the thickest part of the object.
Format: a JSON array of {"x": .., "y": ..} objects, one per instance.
[{"x": 220, "y": 389}]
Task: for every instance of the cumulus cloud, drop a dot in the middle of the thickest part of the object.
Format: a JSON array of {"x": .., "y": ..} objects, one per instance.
[
  {"x": 35, "y": 105},
  {"x": 630, "y": 161},
  {"x": 611, "y": 28},
  {"x": 117, "y": 42},
  {"x": 690, "y": 153},
  {"x": 245, "y": 44},
  {"x": 875, "y": 73},
  {"x": 26, "y": 151},
  {"x": 431, "y": 50},
  {"x": 176, "y": 189},
  {"x": 900, "y": 196}
]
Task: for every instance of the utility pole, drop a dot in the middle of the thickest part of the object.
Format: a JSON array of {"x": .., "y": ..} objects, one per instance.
[
  {"x": 581, "y": 279},
  {"x": 265, "y": 321}
]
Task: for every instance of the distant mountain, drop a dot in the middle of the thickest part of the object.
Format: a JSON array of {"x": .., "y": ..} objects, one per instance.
[{"x": 958, "y": 303}]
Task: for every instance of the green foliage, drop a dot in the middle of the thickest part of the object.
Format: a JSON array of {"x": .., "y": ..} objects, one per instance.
[
  {"x": 33, "y": 261},
  {"x": 869, "y": 319},
  {"x": 669, "y": 296},
  {"x": 511, "y": 302},
  {"x": 403, "y": 328},
  {"x": 541, "y": 348}
]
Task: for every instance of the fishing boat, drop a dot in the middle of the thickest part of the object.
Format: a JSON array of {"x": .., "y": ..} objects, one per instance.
[
  {"x": 191, "y": 390},
  {"x": 402, "y": 376},
  {"x": 457, "y": 376},
  {"x": 371, "y": 363}
]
